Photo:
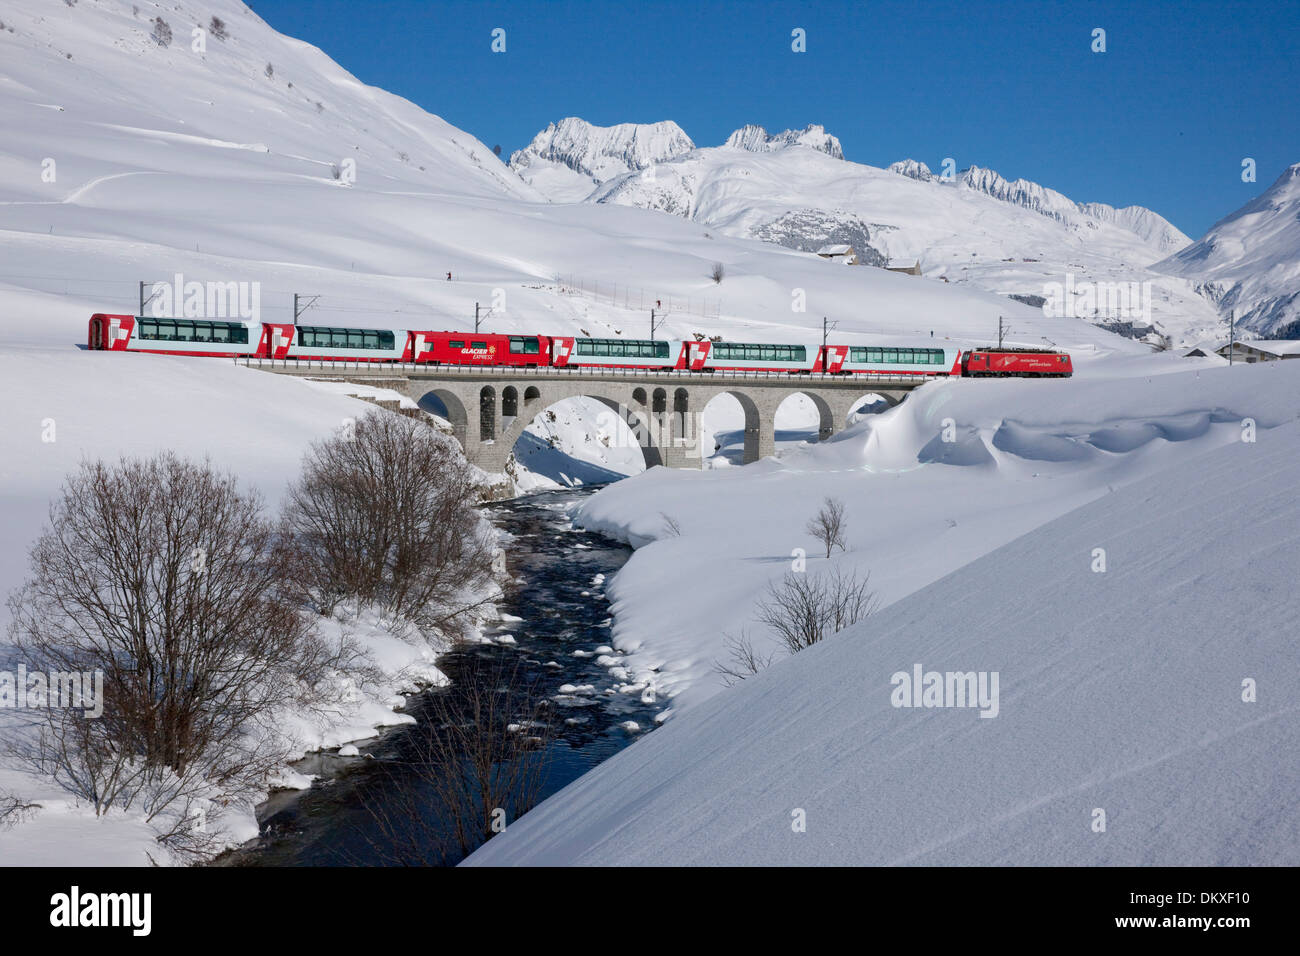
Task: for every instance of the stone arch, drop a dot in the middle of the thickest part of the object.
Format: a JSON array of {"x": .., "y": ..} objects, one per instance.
[
  {"x": 827, "y": 425},
  {"x": 639, "y": 396},
  {"x": 509, "y": 402},
  {"x": 487, "y": 413},
  {"x": 660, "y": 400},
  {"x": 758, "y": 432},
  {"x": 446, "y": 404},
  {"x": 643, "y": 428}
]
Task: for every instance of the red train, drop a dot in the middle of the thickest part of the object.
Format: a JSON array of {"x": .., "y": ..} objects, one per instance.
[{"x": 276, "y": 340}]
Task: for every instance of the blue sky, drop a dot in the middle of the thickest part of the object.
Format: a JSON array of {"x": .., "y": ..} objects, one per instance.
[{"x": 1163, "y": 118}]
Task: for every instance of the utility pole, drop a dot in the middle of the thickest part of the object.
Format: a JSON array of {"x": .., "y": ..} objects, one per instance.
[
  {"x": 824, "y": 333},
  {"x": 143, "y": 300},
  {"x": 652, "y": 323},
  {"x": 297, "y": 311},
  {"x": 999, "y": 332},
  {"x": 476, "y": 318}
]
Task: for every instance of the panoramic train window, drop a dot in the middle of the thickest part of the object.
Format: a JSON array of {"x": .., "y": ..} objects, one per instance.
[
  {"x": 520, "y": 345},
  {"x": 321, "y": 337},
  {"x": 895, "y": 356},
  {"x": 620, "y": 348},
  {"x": 734, "y": 351},
  {"x": 456, "y": 344},
  {"x": 186, "y": 330}
]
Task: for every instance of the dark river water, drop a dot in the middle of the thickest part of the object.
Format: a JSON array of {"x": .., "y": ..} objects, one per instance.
[{"x": 354, "y": 815}]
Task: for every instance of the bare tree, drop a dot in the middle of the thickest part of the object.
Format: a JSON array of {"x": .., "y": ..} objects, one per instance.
[
  {"x": 475, "y": 763},
  {"x": 743, "y": 660},
  {"x": 385, "y": 514},
  {"x": 802, "y": 609},
  {"x": 164, "y": 577},
  {"x": 718, "y": 272},
  {"x": 672, "y": 529},
  {"x": 827, "y": 526}
]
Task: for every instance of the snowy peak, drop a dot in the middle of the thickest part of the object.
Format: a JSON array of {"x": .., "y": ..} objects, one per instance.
[
  {"x": 1151, "y": 227},
  {"x": 912, "y": 169},
  {"x": 1142, "y": 222},
  {"x": 1250, "y": 261},
  {"x": 1021, "y": 192},
  {"x": 756, "y": 139},
  {"x": 592, "y": 155}
]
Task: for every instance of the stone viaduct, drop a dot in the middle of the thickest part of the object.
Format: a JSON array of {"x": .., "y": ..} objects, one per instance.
[{"x": 490, "y": 407}]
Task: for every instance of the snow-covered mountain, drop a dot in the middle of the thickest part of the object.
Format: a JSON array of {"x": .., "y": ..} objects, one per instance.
[
  {"x": 1250, "y": 260},
  {"x": 793, "y": 188},
  {"x": 1011, "y": 237},
  {"x": 569, "y": 159},
  {"x": 1149, "y": 226},
  {"x": 758, "y": 140}
]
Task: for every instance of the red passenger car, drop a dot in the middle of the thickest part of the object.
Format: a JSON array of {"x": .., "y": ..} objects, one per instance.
[{"x": 481, "y": 348}]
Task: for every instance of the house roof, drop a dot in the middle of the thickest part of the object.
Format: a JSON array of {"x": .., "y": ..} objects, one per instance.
[
  {"x": 834, "y": 250},
  {"x": 1272, "y": 346}
]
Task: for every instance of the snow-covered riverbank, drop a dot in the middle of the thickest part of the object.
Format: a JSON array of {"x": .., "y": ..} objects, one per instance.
[
  {"x": 917, "y": 506},
  {"x": 1143, "y": 644}
]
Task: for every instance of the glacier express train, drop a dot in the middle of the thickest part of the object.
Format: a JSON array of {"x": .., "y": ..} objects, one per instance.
[{"x": 279, "y": 340}]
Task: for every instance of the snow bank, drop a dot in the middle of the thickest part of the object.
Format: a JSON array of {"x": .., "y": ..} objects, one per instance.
[
  {"x": 1121, "y": 693},
  {"x": 918, "y": 506}
]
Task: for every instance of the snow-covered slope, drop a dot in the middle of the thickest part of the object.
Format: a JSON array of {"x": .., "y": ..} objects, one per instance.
[
  {"x": 917, "y": 506},
  {"x": 569, "y": 159},
  {"x": 1160, "y": 692},
  {"x": 1250, "y": 260}
]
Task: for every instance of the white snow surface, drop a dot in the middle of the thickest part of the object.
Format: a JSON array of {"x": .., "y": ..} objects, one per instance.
[
  {"x": 1022, "y": 453},
  {"x": 1119, "y": 691}
]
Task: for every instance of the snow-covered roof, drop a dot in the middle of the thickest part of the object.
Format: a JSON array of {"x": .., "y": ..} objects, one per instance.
[
  {"x": 1207, "y": 347},
  {"x": 834, "y": 250},
  {"x": 1273, "y": 346}
]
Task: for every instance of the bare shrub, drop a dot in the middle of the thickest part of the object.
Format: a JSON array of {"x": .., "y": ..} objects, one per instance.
[
  {"x": 827, "y": 526},
  {"x": 672, "y": 529},
  {"x": 217, "y": 27},
  {"x": 13, "y": 810},
  {"x": 167, "y": 579},
  {"x": 718, "y": 272},
  {"x": 270, "y": 72},
  {"x": 162, "y": 32},
  {"x": 385, "y": 515},
  {"x": 475, "y": 763},
  {"x": 802, "y": 609},
  {"x": 743, "y": 660}
]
